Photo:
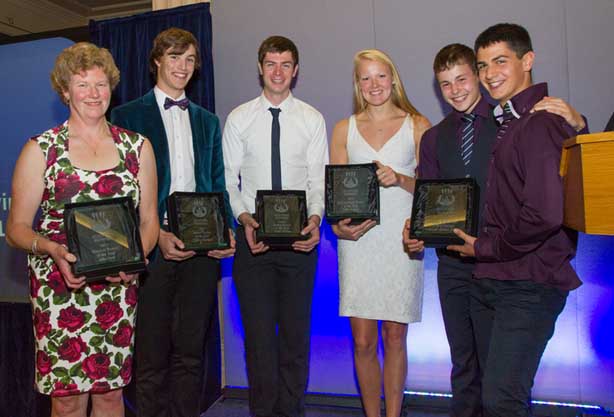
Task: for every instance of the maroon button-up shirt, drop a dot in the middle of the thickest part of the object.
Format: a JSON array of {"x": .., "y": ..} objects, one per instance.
[{"x": 523, "y": 237}]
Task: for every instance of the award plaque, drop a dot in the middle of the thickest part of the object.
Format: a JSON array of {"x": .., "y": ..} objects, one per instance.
[
  {"x": 282, "y": 215},
  {"x": 352, "y": 191},
  {"x": 441, "y": 206},
  {"x": 199, "y": 220},
  {"x": 104, "y": 236}
]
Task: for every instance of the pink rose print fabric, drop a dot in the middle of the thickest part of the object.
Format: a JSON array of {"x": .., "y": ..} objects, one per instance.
[{"x": 84, "y": 338}]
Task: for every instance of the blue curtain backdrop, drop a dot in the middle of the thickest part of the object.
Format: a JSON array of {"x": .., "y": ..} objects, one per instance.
[{"x": 130, "y": 39}]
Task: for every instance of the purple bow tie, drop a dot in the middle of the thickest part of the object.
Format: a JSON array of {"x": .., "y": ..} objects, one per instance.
[{"x": 182, "y": 104}]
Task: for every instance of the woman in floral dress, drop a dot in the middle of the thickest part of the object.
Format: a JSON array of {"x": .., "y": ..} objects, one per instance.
[{"x": 83, "y": 332}]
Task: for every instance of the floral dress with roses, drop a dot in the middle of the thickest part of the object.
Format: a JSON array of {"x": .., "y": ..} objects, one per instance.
[{"x": 83, "y": 337}]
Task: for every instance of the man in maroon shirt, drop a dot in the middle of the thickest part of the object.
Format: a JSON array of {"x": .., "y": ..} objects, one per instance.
[{"x": 523, "y": 272}]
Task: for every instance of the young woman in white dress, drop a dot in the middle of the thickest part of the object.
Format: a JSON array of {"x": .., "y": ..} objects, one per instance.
[{"x": 379, "y": 281}]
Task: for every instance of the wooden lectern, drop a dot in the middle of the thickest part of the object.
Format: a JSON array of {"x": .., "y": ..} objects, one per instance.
[{"x": 587, "y": 168}]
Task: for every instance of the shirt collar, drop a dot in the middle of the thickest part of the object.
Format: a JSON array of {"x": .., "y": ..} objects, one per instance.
[
  {"x": 524, "y": 101},
  {"x": 285, "y": 105},
  {"x": 161, "y": 96},
  {"x": 482, "y": 109}
]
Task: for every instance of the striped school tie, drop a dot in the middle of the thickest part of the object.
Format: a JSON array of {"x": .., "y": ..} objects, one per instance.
[
  {"x": 467, "y": 134},
  {"x": 504, "y": 120}
]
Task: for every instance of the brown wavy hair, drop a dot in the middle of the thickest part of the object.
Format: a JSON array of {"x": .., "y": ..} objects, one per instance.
[
  {"x": 454, "y": 54},
  {"x": 277, "y": 44},
  {"x": 178, "y": 39},
  {"x": 79, "y": 58}
]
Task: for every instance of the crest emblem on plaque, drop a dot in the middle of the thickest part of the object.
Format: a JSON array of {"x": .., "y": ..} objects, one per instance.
[
  {"x": 101, "y": 222},
  {"x": 350, "y": 181},
  {"x": 281, "y": 206},
  {"x": 199, "y": 210},
  {"x": 446, "y": 197}
]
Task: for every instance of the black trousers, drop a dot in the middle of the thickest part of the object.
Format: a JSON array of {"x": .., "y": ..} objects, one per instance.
[
  {"x": 454, "y": 280},
  {"x": 275, "y": 291},
  {"x": 176, "y": 303},
  {"x": 519, "y": 319}
]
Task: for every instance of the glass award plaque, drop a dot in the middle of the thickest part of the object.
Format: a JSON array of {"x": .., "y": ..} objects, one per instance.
[
  {"x": 199, "y": 220},
  {"x": 440, "y": 206},
  {"x": 282, "y": 215},
  {"x": 104, "y": 236},
  {"x": 352, "y": 191}
]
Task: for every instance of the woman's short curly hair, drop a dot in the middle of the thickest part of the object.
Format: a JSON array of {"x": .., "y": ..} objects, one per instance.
[{"x": 79, "y": 58}]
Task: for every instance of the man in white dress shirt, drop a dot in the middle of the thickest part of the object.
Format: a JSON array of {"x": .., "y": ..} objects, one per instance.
[{"x": 275, "y": 287}]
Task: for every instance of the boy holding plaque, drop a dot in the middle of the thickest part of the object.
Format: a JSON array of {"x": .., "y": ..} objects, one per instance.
[
  {"x": 523, "y": 252},
  {"x": 441, "y": 157},
  {"x": 177, "y": 300},
  {"x": 275, "y": 142}
]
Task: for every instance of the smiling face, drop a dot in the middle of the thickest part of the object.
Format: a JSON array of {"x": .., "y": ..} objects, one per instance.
[
  {"x": 89, "y": 94},
  {"x": 460, "y": 87},
  {"x": 502, "y": 73},
  {"x": 374, "y": 81},
  {"x": 277, "y": 70},
  {"x": 175, "y": 70}
]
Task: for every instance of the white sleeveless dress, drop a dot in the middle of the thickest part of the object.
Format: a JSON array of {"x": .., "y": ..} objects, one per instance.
[{"x": 377, "y": 278}]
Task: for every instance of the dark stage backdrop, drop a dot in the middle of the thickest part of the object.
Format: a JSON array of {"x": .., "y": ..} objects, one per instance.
[{"x": 130, "y": 39}]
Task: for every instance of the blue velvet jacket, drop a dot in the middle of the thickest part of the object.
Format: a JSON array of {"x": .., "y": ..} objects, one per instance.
[{"x": 143, "y": 116}]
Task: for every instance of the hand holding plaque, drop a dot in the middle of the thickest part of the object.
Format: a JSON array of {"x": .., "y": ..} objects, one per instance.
[
  {"x": 352, "y": 191},
  {"x": 199, "y": 220},
  {"x": 105, "y": 238},
  {"x": 440, "y": 206},
  {"x": 282, "y": 216}
]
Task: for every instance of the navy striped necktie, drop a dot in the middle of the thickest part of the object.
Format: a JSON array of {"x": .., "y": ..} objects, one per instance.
[{"x": 467, "y": 134}]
